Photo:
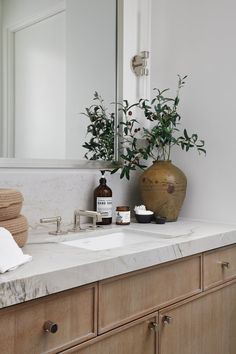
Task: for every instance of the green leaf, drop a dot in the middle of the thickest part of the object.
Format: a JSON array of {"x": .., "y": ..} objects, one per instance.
[
  {"x": 186, "y": 134},
  {"x": 122, "y": 173},
  {"x": 127, "y": 172},
  {"x": 115, "y": 170},
  {"x": 153, "y": 100},
  {"x": 194, "y": 137},
  {"x": 176, "y": 101},
  {"x": 202, "y": 150}
]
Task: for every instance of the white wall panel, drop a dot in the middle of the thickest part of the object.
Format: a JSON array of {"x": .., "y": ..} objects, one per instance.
[{"x": 198, "y": 38}]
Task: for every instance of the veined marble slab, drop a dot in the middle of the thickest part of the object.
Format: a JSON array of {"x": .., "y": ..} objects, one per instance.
[{"x": 57, "y": 267}]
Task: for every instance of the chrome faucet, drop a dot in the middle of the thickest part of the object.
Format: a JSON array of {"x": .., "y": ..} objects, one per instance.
[{"x": 97, "y": 217}]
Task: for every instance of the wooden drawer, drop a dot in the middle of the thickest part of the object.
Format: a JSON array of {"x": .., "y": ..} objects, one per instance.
[
  {"x": 124, "y": 298},
  {"x": 138, "y": 337},
  {"x": 219, "y": 266},
  {"x": 74, "y": 311}
]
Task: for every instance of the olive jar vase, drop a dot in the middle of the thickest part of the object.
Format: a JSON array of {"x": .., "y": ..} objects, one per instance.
[{"x": 163, "y": 189}]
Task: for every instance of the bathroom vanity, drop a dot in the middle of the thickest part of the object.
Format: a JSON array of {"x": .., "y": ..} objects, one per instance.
[{"x": 173, "y": 294}]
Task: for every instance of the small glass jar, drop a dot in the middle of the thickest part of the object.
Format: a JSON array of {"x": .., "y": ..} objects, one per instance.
[{"x": 123, "y": 215}]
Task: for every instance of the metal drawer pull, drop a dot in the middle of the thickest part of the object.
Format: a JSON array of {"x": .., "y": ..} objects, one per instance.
[
  {"x": 153, "y": 326},
  {"x": 50, "y": 327},
  {"x": 167, "y": 320},
  {"x": 225, "y": 265}
]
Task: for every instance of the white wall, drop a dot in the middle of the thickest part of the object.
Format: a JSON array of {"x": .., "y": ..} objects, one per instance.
[
  {"x": 137, "y": 38},
  {"x": 198, "y": 38},
  {"x": 188, "y": 37}
]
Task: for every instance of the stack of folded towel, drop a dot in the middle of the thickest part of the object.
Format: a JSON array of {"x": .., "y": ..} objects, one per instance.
[{"x": 11, "y": 201}]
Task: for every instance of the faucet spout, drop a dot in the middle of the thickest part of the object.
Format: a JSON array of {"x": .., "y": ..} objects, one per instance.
[
  {"x": 96, "y": 217},
  {"x": 88, "y": 213}
]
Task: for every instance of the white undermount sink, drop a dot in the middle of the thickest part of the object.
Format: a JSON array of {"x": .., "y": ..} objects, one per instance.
[{"x": 113, "y": 239}]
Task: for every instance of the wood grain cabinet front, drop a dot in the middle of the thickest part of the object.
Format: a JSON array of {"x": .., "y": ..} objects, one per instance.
[
  {"x": 197, "y": 315},
  {"x": 138, "y": 337},
  {"x": 219, "y": 266},
  {"x": 50, "y": 324},
  {"x": 124, "y": 298},
  {"x": 206, "y": 324}
]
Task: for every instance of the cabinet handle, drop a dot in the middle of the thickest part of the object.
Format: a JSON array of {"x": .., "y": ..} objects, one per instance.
[
  {"x": 153, "y": 326},
  {"x": 50, "y": 327},
  {"x": 167, "y": 320},
  {"x": 225, "y": 265}
]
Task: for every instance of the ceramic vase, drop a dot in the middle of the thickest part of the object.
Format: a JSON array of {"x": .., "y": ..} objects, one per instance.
[{"x": 163, "y": 189}]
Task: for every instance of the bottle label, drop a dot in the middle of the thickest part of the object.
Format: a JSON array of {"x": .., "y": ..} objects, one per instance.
[
  {"x": 104, "y": 206},
  {"x": 122, "y": 217}
]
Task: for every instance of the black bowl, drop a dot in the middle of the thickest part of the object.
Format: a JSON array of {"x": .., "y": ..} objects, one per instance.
[
  {"x": 142, "y": 218},
  {"x": 160, "y": 219}
]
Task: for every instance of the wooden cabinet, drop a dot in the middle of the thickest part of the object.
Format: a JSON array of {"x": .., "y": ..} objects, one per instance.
[
  {"x": 182, "y": 307},
  {"x": 219, "y": 266},
  {"x": 204, "y": 325},
  {"x": 73, "y": 315},
  {"x": 124, "y": 298},
  {"x": 139, "y": 337}
]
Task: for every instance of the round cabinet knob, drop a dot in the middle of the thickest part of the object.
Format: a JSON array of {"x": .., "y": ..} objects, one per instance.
[
  {"x": 50, "y": 327},
  {"x": 167, "y": 320},
  {"x": 225, "y": 265},
  {"x": 153, "y": 326}
]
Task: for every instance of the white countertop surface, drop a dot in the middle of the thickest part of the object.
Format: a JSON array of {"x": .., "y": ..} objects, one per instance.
[{"x": 56, "y": 267}]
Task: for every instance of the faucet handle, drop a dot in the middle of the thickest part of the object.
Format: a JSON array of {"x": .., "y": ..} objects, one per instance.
[{"x": 53, "y": 219}]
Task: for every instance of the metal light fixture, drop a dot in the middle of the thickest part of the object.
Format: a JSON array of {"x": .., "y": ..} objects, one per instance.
[{"x": 139, "y": 64}]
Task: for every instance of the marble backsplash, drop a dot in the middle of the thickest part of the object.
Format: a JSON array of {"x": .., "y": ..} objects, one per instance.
[{"x": 55, "y": 192}]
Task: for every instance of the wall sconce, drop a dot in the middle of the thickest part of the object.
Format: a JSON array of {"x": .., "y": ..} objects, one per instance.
[{"x": 139, "y": 64}]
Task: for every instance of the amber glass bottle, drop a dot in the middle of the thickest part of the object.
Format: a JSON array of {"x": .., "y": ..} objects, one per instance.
[{"x": 103, "y": 201}]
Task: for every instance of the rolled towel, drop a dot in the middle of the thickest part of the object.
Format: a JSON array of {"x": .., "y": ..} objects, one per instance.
[{"x": 11, "y": 256}]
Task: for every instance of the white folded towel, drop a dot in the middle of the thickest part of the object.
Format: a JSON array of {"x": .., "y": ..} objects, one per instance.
[{"x": 11, "y": 256}]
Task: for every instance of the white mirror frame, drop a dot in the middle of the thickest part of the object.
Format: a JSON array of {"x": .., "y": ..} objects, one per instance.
[{"x": 83, "y": 164}]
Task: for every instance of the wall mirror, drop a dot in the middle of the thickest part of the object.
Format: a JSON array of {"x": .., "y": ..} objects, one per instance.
[{"x": 54, "y": 55}]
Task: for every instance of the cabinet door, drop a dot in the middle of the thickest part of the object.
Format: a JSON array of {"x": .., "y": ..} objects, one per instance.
[
  {"x": 50, "y": 324},
  {"x": 139, "y": 337},
  {"x": 205, "y": 325}
]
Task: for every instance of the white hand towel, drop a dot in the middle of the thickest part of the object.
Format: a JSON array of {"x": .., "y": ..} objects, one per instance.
[{"x": 11, "y": 256}]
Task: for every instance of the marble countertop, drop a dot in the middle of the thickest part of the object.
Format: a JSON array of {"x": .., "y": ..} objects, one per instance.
[{"x": 56, "y": 267}]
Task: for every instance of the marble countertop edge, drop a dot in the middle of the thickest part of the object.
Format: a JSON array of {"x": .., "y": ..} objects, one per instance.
[{"x": 32, "y": 281}]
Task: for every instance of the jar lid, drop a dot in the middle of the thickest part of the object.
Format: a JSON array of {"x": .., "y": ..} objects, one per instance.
[{"x": 123, "y": 208}]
